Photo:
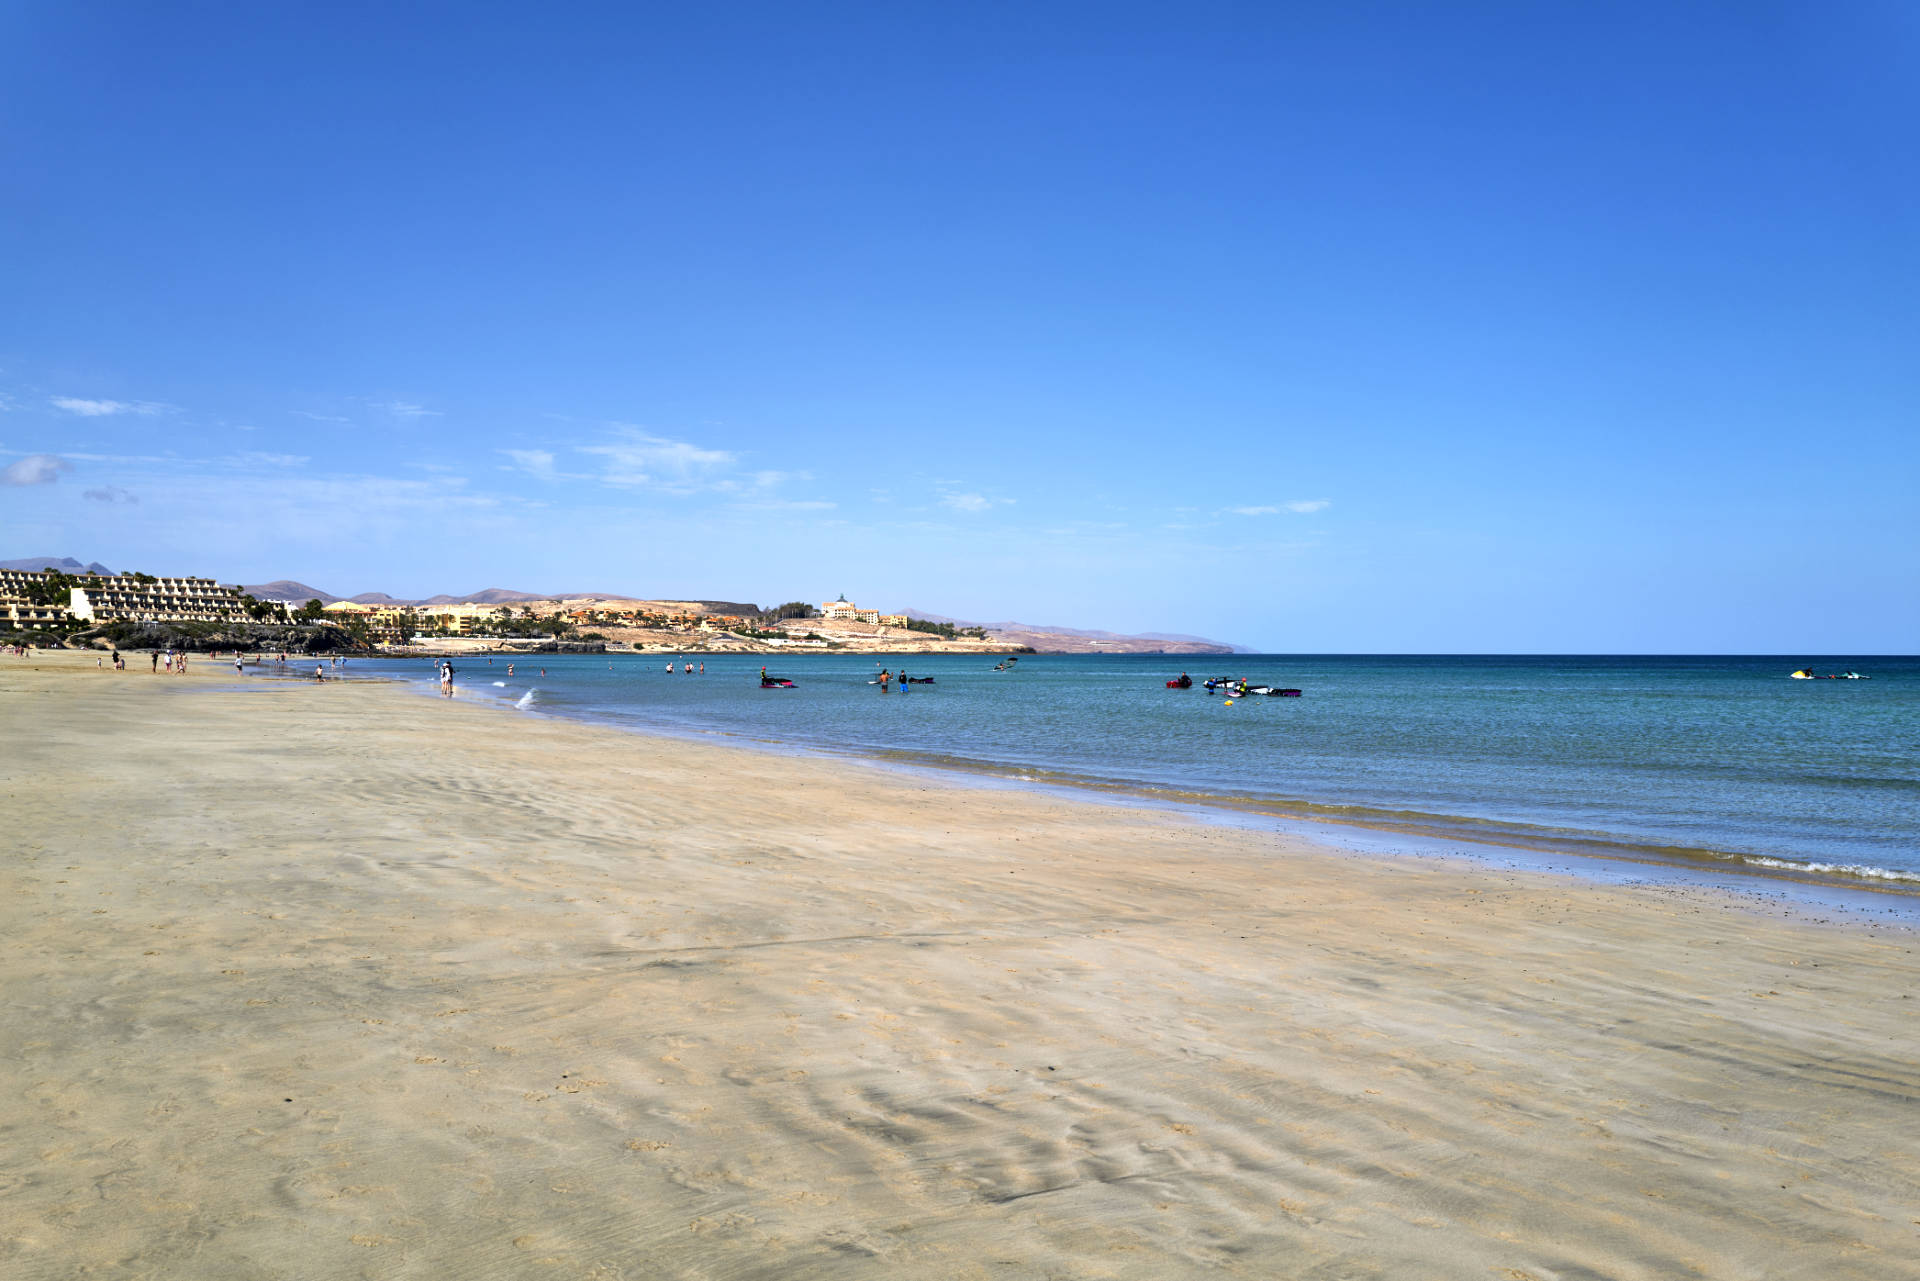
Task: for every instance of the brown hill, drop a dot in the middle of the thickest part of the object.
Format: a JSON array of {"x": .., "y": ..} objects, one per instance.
[{"x": 288, "y": 589}]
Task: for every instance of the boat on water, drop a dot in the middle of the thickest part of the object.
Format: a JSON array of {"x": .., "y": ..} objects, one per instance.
[
  {"x": 1185, "y": 682},
  {"x": 1808, "y": 674},
  {"x": 1240, "y": 687}
]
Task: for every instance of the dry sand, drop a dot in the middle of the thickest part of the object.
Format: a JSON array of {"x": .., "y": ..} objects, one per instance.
[{"x": 341, "y": 981}]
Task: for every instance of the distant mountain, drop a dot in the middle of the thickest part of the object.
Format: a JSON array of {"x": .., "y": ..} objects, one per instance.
[
  {"x": 1052, "y": 638},
  {"x": 65, "y": 564},
  {"x": 376, "y": 598},
  {"x": 491, "y": 596},
  {"x": 288, "y": 589}
]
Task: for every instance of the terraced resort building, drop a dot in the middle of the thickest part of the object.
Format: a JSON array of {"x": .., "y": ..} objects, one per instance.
[{"x": 112, "y": 598}]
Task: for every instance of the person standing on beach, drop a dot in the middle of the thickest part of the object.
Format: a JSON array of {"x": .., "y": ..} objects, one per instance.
[
  {"x": 156, "y": 662},
  {"x": 236, "y": 664}
]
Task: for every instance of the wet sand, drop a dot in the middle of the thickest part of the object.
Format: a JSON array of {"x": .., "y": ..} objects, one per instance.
[{"x": 338, "y": 981}]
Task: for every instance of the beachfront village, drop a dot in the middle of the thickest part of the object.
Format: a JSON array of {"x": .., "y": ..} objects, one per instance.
[{"x": 52, "y": 607}]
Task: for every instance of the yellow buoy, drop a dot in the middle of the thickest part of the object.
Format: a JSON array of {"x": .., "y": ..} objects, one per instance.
[{"x": 1229, "y": 702}]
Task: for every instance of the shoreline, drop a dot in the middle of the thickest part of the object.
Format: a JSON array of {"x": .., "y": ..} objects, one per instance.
[
  {"x": 1346, "y": 826},
  {"x": 322, "y": 981}
]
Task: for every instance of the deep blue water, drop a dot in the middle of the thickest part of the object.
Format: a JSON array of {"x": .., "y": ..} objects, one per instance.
[{"x": 1698, "y": 759}]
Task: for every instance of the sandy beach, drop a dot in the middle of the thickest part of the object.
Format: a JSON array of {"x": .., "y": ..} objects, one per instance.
[{"x": 340, "y": 981}]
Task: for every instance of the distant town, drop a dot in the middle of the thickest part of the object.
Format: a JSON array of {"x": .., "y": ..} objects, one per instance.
[{"x": 67, "y": 603}]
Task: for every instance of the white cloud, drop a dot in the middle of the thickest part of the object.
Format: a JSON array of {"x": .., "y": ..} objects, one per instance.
[
  {"x": 318, "y": 418},
  {"x": 535, "y": 462},
  {"x": 109, "y": 494},
  {"x": 1301, "y": 506},
  {"x": 790, "y": 504},
  {"x": 35, "y": 469},
  {"x": 639, "y": 458},
  {"x": 972, "y": 502},
  {"x": 403, "y": 409},
  {"x": 103, "y": 408}
]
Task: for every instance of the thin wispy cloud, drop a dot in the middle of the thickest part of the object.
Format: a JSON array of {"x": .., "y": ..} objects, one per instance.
[
  {"x": 790, "y": 504},
  {"x": 318, "y": 418},
  {"x": 1299, "y": 506},
  {"x": 256, "y": 458},
  {"x": 106, "y": 408},
  {"x": 636, "y": 458},
  {"x": 405, "y": 410},
  {"x": 109, "y": 494},
  {"x": 771, "y": 479},
  {"x": 35, "y": 469},
  {"x": 534, "y": 462},
  {"x": 972, "y": 502}
]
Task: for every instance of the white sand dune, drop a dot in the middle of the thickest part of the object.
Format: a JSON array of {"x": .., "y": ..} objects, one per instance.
[{"x": 330, "y": 981}]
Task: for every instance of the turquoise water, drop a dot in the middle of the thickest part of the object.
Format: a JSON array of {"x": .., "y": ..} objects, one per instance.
[{"x": 1722, "y": 761}]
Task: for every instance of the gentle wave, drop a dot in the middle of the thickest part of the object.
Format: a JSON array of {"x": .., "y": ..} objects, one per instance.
[
  {"x": 1477, "y": 831},
  {"x": 1827, "y": 869}
]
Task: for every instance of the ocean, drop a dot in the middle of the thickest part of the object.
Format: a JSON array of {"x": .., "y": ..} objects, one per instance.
[{"x": 1720, "y": 762}]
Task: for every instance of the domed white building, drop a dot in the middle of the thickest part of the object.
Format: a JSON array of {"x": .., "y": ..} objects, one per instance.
[{"x": 846, "y": 610}]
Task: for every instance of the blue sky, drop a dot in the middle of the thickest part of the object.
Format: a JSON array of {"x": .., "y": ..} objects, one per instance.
[{"x": 1372, "y": 327}]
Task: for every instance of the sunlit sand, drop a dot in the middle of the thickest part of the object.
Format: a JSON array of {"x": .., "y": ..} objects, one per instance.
[{"x": 323, "y": 980}]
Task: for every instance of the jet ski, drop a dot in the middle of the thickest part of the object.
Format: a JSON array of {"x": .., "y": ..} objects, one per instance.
[
  {"x": 1185, "y": 682},
  {"x": 1238, "y": 687},
  {"x": 775, "y": 682}
]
